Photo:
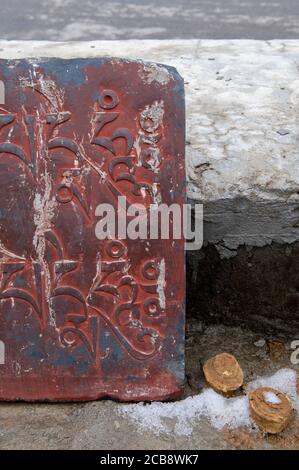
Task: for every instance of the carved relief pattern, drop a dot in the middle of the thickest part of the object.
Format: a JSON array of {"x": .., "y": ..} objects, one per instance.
[{"x": 117, "y": 298}]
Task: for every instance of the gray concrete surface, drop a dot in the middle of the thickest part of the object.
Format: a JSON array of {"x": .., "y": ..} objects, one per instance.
[{"x": 141, "y": 19}]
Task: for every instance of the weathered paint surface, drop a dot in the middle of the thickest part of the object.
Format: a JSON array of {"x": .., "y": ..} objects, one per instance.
[{"x": 83, "y": 318}]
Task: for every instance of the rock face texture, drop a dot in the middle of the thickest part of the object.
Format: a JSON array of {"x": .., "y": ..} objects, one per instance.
[
  {"x": 84, "y": 317},
  {"x": 242, "y": 164}
]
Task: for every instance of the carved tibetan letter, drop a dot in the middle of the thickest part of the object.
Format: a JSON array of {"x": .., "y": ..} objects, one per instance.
[{"x": 84, "y": 317}]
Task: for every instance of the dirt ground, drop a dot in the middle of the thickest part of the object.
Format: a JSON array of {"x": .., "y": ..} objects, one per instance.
[{"x": 98, "y": 425}]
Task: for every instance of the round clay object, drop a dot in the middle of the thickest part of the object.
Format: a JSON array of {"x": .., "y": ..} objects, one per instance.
[
  {"x": 223, "y": 373},
  {"x": 270, "y": 409}
]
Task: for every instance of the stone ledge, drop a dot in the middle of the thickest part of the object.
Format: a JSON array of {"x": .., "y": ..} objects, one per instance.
[
  {"x": 242, "y": 118},
  {"x": 241, "y": 99}
]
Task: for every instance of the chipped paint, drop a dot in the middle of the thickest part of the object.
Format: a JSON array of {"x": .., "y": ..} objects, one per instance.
[
  {"x": 151, "y": 117},
  {"x": 155, "y": 73},
  {"x": 44, "y": 211},
  {"x": 9, "y": 254},
  {"x": 162, "y": 283}
]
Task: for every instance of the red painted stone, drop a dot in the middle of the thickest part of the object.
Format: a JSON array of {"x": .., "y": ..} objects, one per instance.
[{"x": 83, "y": 318}]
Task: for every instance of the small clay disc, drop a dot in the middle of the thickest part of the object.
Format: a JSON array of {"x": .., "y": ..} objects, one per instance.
[
  {"x": 270, "y": 409},
  {"x": 223, "y": 373}
]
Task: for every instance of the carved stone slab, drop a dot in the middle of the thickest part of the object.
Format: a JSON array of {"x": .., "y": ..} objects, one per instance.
[{"x": 83, "y": 318}]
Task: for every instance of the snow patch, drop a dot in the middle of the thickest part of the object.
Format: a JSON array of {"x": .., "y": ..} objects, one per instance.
[
  {"x": 271, "y": 398},
  {"x": 284, "y": 380},
  {"x": 180, "y": 417}
]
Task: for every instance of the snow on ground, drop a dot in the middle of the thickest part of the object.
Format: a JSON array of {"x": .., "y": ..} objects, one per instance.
[
  {"x": 285, "y": 380},
  {"x": 180, "y": 417}
]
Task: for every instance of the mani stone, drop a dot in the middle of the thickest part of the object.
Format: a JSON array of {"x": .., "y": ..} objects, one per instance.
[{"x": 82, "y": 317}]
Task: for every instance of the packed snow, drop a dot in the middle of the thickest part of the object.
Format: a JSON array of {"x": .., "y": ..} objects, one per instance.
[
  {"x": 271, "y": 398},
  {"x": 180, "y": 417}
]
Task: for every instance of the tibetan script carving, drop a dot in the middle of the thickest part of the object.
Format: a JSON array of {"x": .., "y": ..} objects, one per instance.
[{"x": 83, "y": 318}]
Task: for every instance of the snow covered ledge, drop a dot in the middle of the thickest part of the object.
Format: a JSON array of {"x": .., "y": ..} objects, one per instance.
[{"x": 242, "y": 157}]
